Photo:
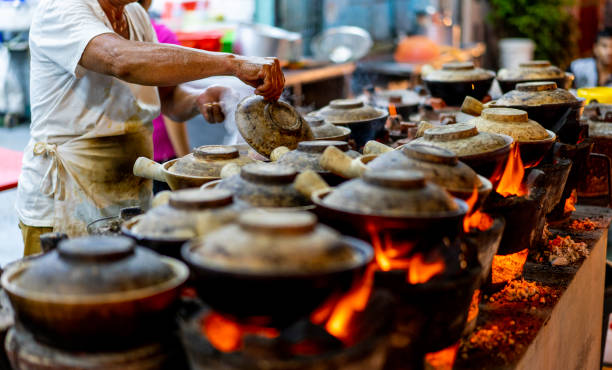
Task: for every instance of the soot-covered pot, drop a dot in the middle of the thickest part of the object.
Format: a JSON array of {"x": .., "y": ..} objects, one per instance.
[
  {"x": 189, "y": 213},
  {"x": 267, "y": 125},
  {"x": 485, "y": 152},
  {"x": 323, "y": 130},
  {"x": 274, "y": 267},
  {"x": 406, "y": 102},
  {"x": 95, "y": 293},
  {"x": 556, "y": 109},
  {"x": 265, "y": 185},
  {"x": 395, "y": 200},
  {"x": 533, "y": 71},
  {"x": 534, "y": 141},
  {"x": 455, "y": 81},
  {"x": 364, "y": 121},
  {"x": 193, "y": 170}
]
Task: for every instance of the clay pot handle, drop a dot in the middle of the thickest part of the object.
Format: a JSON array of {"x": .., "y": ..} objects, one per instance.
[
  {"x": 309, "y": 182},
  {"x": 337, "y": 162},
  {"x": 144, "y": 167},
  {"x": 161, "y": 198},
  {"x": 374, "y": 147},
  {"x": 472, "y": 106},
  {"x": 229, "y": 170},
  {"x": 278, "y": 152},
  {"x": 422, "y": 127}
]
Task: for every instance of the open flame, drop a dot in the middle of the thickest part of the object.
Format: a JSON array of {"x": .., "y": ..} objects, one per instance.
[
  {"x": 475, "y": 219},
  {"x": 392, "y": 110},
  {"x": 508, "y": 267},
  {"x": 442, "y": 360},
  {"x": 511, "y": 181},
  {"x": 570, "y": 203},
  {"x": 226, "y": 335},
  {"x": 338, "y": 312},
  {"x": 474, "y": 309}
]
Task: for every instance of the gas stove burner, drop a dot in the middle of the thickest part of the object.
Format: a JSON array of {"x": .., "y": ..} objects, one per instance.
[
  {"x": 213, "y": 341},
  {"x": 25, "y": 352}
]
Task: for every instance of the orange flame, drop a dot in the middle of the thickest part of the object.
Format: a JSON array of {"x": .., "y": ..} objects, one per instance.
[
  {"x": 474, "y": 309},
  {"x": 392, "y": 110},
  {"x": 511, "y": 181},
  {"x": 475, "y": 219},
  {"x": 226, "y": 335},
  {"x": 338, "y": 312},
  {"x": 570, "y": 203},
  {"x": 442, "y": 360},
  {"x": 508, "y": 267},
  {"x": 421, "y": 271}
]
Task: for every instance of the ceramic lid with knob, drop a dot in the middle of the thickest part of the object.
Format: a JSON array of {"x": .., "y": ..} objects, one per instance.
[
  {"x": 459, "y": 72},
  {"x": 207, "y": 161},
  {"x": 267, "y": 125},
  {"x": 395, "y": 193},
  {"x": 512, "y": 122},
  {"x": 308, "y": 153},
  {"x": 91, "y": 266},
  {"x": 346, "y": 111},
  {"x": 533, "y": 70},
  {"x": 463, "y": 139},
  {"x": 534, "y": 94},
  {"x": 188, "y": 214},
  {"x": 274, "y": 242},
  {"x": 322, "y": 129},
  {"x": 439, "y": 166},
  {"x": 265, "y": 185}
]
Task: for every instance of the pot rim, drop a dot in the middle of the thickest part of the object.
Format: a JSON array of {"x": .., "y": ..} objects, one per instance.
[
  {"x": 580, "y": 102},
  {"x": 551, "y": 138},
  {"x": 346, "y": 132},
  {"x": 181, "y": 273},
  {"x": 485, "y": 187},
  {"x": 506, "y": 148},
  {"x": 318, "y": 195},
  {"x": 490, "y": 78},
  {"x": 382, "y": 114},
  {"x": 358, "y": 246},
  {"x": 565, "y": 76},
  {"x": 126, "y": 229},
  {"x": 166, "y": 170}
]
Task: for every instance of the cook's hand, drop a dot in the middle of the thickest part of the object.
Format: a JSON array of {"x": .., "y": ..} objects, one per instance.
[
  {"x": 209, "y": 103},
  {"x": 264, "y": 74}
]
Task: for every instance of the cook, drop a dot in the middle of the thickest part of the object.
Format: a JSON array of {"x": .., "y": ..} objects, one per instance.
[{"x": 98, "y": 79}]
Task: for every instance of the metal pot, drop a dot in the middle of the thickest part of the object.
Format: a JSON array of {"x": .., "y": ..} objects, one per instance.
[
  {"x": 192, "y": 170},
  {"x": 95, "y": 293},
  {"x": 278, "y": 266},
  {"x": 260, "y": 40}
]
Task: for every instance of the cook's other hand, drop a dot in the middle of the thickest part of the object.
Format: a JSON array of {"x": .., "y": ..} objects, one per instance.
[
  {"x": 264, "y": 74},
  {"x": 209, "y": 103}
]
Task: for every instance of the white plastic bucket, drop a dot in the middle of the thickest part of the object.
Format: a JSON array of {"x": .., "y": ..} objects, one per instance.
[{"x": 514, "y": 51}]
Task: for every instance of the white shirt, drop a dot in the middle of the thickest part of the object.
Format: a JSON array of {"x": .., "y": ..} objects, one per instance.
[{"x": 69, "y": 101}]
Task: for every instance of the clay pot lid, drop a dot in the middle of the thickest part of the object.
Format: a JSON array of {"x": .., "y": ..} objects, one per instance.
[
  {"x": 504, "y": 115},
  {"x": 207, "y": 161},
  {"x": 459, "y": 72},
  {"x": 536, "y": 94},
  {"x": 194, "y": 199},
  {"x": 322, "y": 129},
  {"x": 319, "y": 146},
  {"x": 267, "y": 125},
  {"x": 451, "y": 132},
  {"x": 405, "y": 97},
  {"x": 212, "y": 152},
  {"x": 398, "y": 179},
  {"x": 532, "y": 70},
  {"x": 93, "y": 265},
  {"x": 432, "y": 154},
  {"x": 314, "y": 121},
  {"x": 267, "y": 173},
  {"x": 346, "y": 111},
  {"x": 278, "y": 222},
  {"x": 274, "y": 243}
]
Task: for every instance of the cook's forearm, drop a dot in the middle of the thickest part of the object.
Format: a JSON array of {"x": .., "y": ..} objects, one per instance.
[
  {"x": 179, "y": 103},
  {"x": 154, "y": 64},
  {"x": 177, "y": 133}
]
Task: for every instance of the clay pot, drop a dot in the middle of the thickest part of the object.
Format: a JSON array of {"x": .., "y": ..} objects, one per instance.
[
  {"x": 267, "y": 125},
  {"x": 323, "y": 130},
  {"x": 364, "y": 121},
  {"x": 455, "y": 81},
  {"x": 406, "y": 102},
  {"x": 485, "y": 152},
  {"x": 533, "y": 71},
  {"x": 534, "y": 141},
  {"x": 189, "y": 213},
  {"x": 194, "y": 169},
  {"x": 264, "y": 185},
  {"x": 278, "y": 266},
  {"x": 95, "y": 292}
]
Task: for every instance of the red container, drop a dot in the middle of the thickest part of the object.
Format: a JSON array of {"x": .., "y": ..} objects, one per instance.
[{"x": 204, "y": 40}]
